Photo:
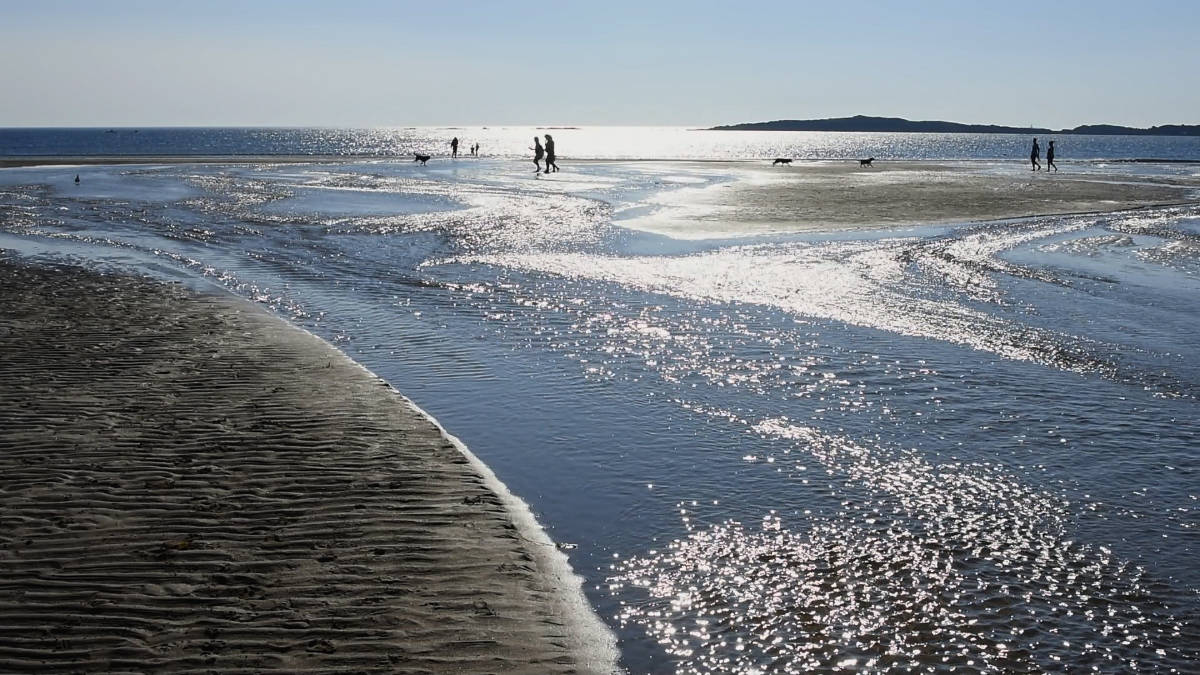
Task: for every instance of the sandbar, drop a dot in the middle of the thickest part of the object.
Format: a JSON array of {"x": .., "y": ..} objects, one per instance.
[
  {"x": 188, "y": 483},
  {"x": 8, "y": 162},
  {"x": 833, "y": 196}
]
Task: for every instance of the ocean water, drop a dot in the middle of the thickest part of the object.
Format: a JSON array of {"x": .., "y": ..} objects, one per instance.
[
  {"x": 969, "y": 447},
  {"x": 580, "y": 143}
]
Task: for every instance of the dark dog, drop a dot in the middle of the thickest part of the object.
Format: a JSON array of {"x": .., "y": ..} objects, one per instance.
[
  {"x": 421, "y": 158},
  {"x": 866, "y": 162},
  {"x": 781, "y": 160}
]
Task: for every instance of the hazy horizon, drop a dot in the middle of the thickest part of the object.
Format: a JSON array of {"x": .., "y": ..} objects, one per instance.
[
  {"x": 373, "y": 63},
  {"x": 541, "y": 125}
]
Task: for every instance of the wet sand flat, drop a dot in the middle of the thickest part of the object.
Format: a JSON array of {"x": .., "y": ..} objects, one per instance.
[
  {"x": 829, "y": 196},
  {"x": 188, "y": 484},
  {"x": 101, "y": 160}
]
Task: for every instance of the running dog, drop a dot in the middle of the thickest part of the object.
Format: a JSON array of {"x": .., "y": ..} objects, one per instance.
[
  {"x": 421, "y": 158},
  {"x": 866, "y": 162},
  {"x": 781, "y": 160}
]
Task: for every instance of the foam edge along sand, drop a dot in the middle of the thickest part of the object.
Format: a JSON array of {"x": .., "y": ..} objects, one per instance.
[
  {"x": 591, "y": 640},
  {"x": 593, "y": 643}
]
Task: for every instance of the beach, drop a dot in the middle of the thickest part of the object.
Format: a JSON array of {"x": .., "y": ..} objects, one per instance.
[
  {"x": 191, "y": 484},
  {"x": 839, "y": 196},
  {"x": 775, "y": 418},
  {"x": 103, "y": 160}
]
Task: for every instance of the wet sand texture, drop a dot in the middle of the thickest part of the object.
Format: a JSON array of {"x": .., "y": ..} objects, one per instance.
[
  {"x": 189, "y": 484},
  {"x": 92, "y": 160},
  {"x": 840, "y": 196}
]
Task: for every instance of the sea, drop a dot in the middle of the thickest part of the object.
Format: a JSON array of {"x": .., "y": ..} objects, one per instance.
[
  {"x": 963, "y": 447},
  {"x": 628, "y": 143}
]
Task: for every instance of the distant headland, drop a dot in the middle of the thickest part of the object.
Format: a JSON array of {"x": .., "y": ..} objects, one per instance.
[{"x": 898, "y": 124}]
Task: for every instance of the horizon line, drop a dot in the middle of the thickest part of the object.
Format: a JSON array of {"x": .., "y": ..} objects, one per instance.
[{"x": 561, "y": 126}]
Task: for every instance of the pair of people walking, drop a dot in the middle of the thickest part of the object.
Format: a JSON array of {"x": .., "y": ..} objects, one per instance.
[
  {"x": 1035, "y": 157},
  {"x": 547, "y": 152}
]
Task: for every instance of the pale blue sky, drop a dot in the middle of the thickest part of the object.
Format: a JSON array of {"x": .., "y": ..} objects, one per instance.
[{"x": 367, "y": 63}]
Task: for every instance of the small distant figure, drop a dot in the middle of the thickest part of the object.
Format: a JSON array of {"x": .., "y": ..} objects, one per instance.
[
  {"x": 538, "y": 153},
  {"x": 781, "y": 160},
  {"x": 1050, "y": 157},
  {"x": 866, "y": 162},
  {"x": 77, "y": 179},
  {"x": 454, "y": 147},
  {"x": 1035, "y": 157},
  {"x": 550, "y": 154},
  {"x": 421, "y": 158}
]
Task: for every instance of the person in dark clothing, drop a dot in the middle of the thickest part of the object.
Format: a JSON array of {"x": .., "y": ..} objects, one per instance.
[
  {"x": 550, "y": 154},
  {"x": 1050, "y": 157},
  {"x": 538, "y": 152},
  {"x": 454, "y": 147},
  {"x": 1035, "y": 156}
]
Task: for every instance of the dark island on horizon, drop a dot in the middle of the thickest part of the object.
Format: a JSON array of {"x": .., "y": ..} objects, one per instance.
[{"x": 899, "y": 124}]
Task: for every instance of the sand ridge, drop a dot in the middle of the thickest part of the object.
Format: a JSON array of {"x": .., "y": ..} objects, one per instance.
[
  {"x": 189, "y": 484},
  {"x": 832, "y": 196}
]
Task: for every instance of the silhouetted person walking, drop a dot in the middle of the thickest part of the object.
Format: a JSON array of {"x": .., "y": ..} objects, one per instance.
[
  {"x": 1035, "y": 156},
  {"x": 1050, "y": 157},
  {"x": 538, "y": 152},
  {"x": 454, "y": 147},
  {"x": 550, "y": 154}
]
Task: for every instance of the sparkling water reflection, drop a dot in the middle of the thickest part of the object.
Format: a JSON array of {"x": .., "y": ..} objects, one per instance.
[{"x": 637, "y": 143}]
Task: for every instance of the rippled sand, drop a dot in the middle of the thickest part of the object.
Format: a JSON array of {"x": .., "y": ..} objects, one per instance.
[
  {"x": 187, "y": 483},
  {"x": 836, "y": 196}
]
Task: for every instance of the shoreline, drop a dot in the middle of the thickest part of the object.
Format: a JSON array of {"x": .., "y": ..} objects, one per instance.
[
  {"x": 827, "y": 197},
  {"x": 192, "y": 482},
  {"x": 32, "y": 161},
  {"x": 750, "y": 198},
  {"x": 14, "y": 162}
]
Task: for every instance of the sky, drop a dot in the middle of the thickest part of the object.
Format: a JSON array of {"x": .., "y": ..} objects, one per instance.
[{"x": 357, "y": 63}]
